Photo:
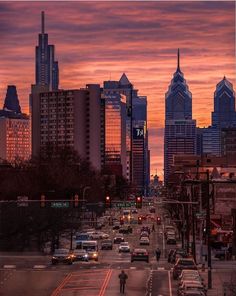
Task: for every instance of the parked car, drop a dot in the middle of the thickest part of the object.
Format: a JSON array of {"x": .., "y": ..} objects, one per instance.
[
  {"x": 106, "y": 244},
  {"x": 191, "y": 286},
  {"x": 62, "y": 256},
  {"x": 144, "y": 234},
  {"x": 183, "y": 263},
  {"x": 146, "y": 228},
  {"x": 124, "y": 247},
  {"x": 170, "y": 258},
  {"x": 140, "y": 255}
]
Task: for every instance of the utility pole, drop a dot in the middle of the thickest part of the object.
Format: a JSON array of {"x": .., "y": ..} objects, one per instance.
[
  {"x": 193, "y": 225},
  {"x": 208, "y": 232}
]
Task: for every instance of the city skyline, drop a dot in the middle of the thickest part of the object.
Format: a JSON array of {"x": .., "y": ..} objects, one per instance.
[{"x": 102, "y": 48}]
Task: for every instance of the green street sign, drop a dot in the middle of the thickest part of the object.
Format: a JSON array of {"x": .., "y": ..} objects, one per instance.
[
  {"x": 60, "y": 204},
  {"x": 124, "y": 204}
]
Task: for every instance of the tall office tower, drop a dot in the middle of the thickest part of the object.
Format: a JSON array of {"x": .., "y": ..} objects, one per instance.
[
  {"x": 141, "y": 155},
  {"x": 69, "y": 118},
  {"x": 46, "y": 68},
  {"x": 115, "y": 128},
  {"x": 229, "y": 142},
  {"x": 180, "y": 129},
  {"x": 14, "y": 129},
  {"x": 118, "y": 96},
  {"x": 224, "y": 115},
  {"x": 11, "y": 101}
]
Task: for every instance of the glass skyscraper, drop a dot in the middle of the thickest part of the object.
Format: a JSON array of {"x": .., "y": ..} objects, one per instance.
[
  {"x": 47, "y": 70},
  {"x": 180, "y": 129}
]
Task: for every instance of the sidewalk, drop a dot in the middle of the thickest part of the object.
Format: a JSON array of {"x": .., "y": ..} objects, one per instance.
[{"x": 218, "y": 279}]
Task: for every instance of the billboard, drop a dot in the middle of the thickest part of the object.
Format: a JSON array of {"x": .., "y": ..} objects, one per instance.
[{"x": 138, "y": 133}]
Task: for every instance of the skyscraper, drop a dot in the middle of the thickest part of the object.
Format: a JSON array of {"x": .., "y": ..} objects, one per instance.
[
  {"x": 11, "y": 101},
  {"x": 180, "y": 129},
  {"x": 46, "y": 68},
  {"x": 14, "y": 129},
  {"x": 224, "y": 114}
]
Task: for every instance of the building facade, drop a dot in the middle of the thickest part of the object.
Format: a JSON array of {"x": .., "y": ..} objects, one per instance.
[
  {"x": 69, "y": 118},
  {"x": 46, "y": 68},
  {"x": 15, "y": 141},
  {"x": 180, "y": 129}
]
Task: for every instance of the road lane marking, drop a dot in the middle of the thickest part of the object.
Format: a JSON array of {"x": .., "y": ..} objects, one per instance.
[
  {"x": 9, "y": 266},
  {"x": 170, "y": 288},
  {"x": 39, "y": 266},
  {"x": 58, "y": 289},
  {"x": 105, "y": 283}
]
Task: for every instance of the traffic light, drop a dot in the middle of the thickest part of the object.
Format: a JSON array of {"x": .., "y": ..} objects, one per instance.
[
  {"x": 121, "y": 220},
  {"x": 158, "y": 220},
  {"x": 139, "y": 202},
  {"x": 42, "y": 201},
  {"x": 76, "y": 200},
  {"x": 108, "y": 202},
  {"x": 139, "y": 220}
]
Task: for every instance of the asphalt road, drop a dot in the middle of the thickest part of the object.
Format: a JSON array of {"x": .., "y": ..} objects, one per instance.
[{"x": 27, "y": 275}]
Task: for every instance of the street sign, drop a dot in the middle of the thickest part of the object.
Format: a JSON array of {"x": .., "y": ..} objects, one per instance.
[
  {"x": 60, "y": 204},
  {"x": 124, "y": 204}
]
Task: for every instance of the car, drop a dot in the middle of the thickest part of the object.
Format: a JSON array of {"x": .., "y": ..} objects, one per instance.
[
  {"x": 126, "y": 230},
  {"x": 140, "y": 255},
  {"x": 106, "y": 244},
  {"x": 152, "y": 210},
  {"x": 104, "y": 235},
  {"x": 80, "y": 255},
  {"x": 188, "y": 272},
  {"x": 146, "y": 229},
  {"x": 118, "y": 239},
  {"x": 116, "y": 226},
  {"x": 171, "y": 240},
  {"x": 62, "y": 256},
  {"x": 95, "y": 235},
  {"x": 183, "y": 263},
  {"x": 191, "y": 278},
  {"x": 134, "y": 211},
  {"x": 124, "y": 247},
  {"x": 171, "y": 256},
  {"x": 191, "y": 286},
  {"x": 144, "y": 234},
  {"x": 193, "y": 293},
  {"x": 144, "y": 241}
]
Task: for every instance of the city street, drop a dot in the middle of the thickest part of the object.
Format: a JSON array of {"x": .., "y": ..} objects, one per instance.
[{"x": 33, "y": 274}]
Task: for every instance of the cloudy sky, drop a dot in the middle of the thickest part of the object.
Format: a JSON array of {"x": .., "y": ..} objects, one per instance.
[{"x": 96, "y": 41}]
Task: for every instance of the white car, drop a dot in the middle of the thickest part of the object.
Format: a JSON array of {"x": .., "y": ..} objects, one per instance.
[
  {"x": 104, "y": 235},
  {"x": 144, "y": 241},
  {"x": 95, "y": 235},
  {"x": 124, "y": 247}
]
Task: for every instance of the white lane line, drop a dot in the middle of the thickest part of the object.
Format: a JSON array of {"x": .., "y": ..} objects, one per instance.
[
  {"x": 9, "y": 266},
  {"x": 170, "y": 288},
  {"x": 39, "y": 266}
]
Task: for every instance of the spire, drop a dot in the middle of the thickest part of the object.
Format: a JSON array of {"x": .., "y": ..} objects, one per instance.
[
  {"x": 42, "y": 21},
  {"x": 178, "y": 66}
]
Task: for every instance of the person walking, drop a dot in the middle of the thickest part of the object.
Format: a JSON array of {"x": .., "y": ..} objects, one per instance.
[
  {"x": 158, "y": 254},
  {"x": 153, "y": 228},
  {"x": 123, "y": 277}
]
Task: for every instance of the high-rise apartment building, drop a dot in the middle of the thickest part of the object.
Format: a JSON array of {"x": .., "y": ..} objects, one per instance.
[
  {"x": 69, "y": 118},
  {"x": 180, "y": 129},
  {"x": 46, "y": 68}
]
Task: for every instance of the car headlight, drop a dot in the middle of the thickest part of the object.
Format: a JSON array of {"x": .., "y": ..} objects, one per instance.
[
  {"x": 86, "y": 255},
  {"x": 95, "y": 255},
  {"x": 54, "y": 257}
]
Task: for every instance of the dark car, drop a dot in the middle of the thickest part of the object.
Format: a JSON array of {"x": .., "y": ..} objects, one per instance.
[
  {"x": 183, "y": 263},
  {"x": 146, "y": 228},
  {"x": 118, "y": 239},
  {"x": 80, "y": 255},
  {"x": 62, "y": 256},
  {"x": 152, "y": 210},
  {"x": 171, "y": 256},
  {"x": 126, "y": 230},
  {"x": 171, "y": 240},
  {"x": 106, "y": 244},
  {"x": 140, "y": 255},
  {"x": 116, "y": 227}
]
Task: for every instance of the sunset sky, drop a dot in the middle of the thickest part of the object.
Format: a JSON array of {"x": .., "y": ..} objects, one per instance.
[{"x": 98, "y": 41}]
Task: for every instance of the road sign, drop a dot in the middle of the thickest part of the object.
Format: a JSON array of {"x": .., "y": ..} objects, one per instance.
[
  {"x": 124, "y": 204},
  {"x": 60, "y": 204}
]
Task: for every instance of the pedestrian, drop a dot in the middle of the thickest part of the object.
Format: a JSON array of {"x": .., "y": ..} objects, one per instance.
[
  {"x": 153, "y": 228},
  {"x": 158, "y": 254},
  {"x": 123, "y": 277}
]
